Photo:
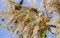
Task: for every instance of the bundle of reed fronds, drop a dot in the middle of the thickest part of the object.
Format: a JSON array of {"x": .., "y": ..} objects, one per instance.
[
  {"x": 29, "y": 22},
  {"x": 53, "y": 5}
]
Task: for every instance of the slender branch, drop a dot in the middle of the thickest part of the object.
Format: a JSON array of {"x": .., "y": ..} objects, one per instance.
[{"x": 44, "y": 2}]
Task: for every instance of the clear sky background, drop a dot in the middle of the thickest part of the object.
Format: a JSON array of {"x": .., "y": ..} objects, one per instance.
[{"x": 4, "y": 33}]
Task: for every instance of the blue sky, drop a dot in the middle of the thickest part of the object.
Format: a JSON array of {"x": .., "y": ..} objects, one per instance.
[{"x": 4, "y": 33}]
